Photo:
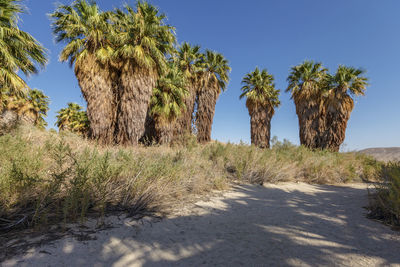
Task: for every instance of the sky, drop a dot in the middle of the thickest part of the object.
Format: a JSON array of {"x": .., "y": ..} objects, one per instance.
[{"x": 273, "y": 34}]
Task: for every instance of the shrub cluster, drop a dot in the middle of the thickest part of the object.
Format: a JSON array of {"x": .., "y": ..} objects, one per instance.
[{"x": 47, "y": 177}]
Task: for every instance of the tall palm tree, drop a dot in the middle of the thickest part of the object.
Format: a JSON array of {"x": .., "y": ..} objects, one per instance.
[
  {"x": 189, "y": 60},
  {"x": 19, "y": 51},
  {"x": 168, "y": 103},
  {"x": 262, "y": 98},
  {"x": 305, "y": 85},
  {"x": 87, "y": 33},
  {"x": 73, "y": 119},
  {"x": 338, "y": 104},
  {"x": 214, "y": 79},
  {"x": 143, "y": 40}
]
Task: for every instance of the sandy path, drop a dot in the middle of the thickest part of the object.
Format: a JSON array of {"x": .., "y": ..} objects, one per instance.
[{"x": 284, "y": 225}]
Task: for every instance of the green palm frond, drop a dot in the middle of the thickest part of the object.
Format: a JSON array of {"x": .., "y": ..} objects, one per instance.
[
  {"x": 73, "y": 119},
  {"x": 305, "y": 80},
  {"x": 190, "y": 60},
  {"x": 19, "y": 51},
  {"x": 142, "y": 37},
  {"x": 259, "y": 88},
  {"x": 85, "y": 29},
  {"x": 349, "y": 79},
  {"x": 168, "y": 97},
  {"x": 216, "y": 69}
]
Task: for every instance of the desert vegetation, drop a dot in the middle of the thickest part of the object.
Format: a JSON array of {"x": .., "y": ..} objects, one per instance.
[
  {"x": 385, "y": 200},
  {"x": 46, "y": 177}
]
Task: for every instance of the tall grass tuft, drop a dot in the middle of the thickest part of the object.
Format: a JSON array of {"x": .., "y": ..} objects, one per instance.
[{"x": 385, "y": 202}]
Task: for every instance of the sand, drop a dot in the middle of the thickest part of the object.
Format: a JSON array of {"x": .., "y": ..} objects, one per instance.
[{"x": 275, "y": 225}]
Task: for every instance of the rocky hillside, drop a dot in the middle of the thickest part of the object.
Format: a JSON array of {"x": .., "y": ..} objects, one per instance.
[{"x": 383, "y": 153}]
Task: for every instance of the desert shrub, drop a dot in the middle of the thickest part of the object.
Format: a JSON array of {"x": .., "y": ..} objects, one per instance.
[
  {"x": 385, "y": 200},
  {"x": 46, "y": 177}
]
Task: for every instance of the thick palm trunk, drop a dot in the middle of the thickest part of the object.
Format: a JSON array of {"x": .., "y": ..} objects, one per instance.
[
  {"x": 336, "y": 123},
  {"x": 150, "y": 135},
  {"x": 98, "y": 89},
  {"x": 310, "y": 124},
  {"x": 183, "y": 124},
  {"x": 207, "y": 99},
  {"x": 260, "y": 123},
  {"x": 164, "y": 132},
  {"x": 136, "y": 90},
  {"x": 8, "y": 120}
]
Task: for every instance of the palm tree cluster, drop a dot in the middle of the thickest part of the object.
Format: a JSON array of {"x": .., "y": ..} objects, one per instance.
[
  {"x": 134, "y": 79},
  {"x": 324, "y": 102},
  {"x": 73, "y": 119},
  {"x": 140, "y": 85}
]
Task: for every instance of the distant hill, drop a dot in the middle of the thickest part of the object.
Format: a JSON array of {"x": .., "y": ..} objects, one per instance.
[{"x": 383, "y": 153}]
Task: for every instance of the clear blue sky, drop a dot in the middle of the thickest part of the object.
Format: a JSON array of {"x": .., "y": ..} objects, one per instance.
[{"x": 274, "y": 35}]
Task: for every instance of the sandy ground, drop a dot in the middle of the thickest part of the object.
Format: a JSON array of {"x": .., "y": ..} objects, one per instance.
[{"x": 275, "y": 225}]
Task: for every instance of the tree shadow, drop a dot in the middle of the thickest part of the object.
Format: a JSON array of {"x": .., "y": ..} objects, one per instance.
[{"x": 274, "y": 225}]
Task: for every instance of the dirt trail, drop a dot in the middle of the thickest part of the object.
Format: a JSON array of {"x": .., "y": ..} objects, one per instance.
[{"x": 285, "y": 225}]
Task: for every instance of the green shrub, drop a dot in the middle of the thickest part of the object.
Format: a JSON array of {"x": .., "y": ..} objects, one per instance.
[{"x": 385, "y": 203}]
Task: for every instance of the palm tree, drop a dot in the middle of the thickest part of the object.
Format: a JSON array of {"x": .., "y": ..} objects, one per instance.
[
  {"x": 38, "y": 104},
  {"x": 214, "y": 79},
  {"x": 305, "y": 85},
  {"x": 19, "y": 51},
  {"x": 168, "y": 103},
  {"x": 142, "y": 42},
  {"x": 87, "y": 33},
  {"x": 338, "y": 104},
  {"x": 189, "y": 60},
  {"x": 262, "y": 98},
  {"x": 31, "y": 109},
  {"x": 73, "y": 119}
]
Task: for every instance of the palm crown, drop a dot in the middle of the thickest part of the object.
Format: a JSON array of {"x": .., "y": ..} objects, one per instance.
[
  {"x": 19, "y": 51},
  {"x": 348, "y": 79},
  {"x": 259, "y": 89},
  {"x": 73, "y": 118},
  {"x": 168, "y": 96},
  {"x": 216, "y": 68},
  {"x": 142, "y": 37},
  {"x": 84, "y": 28},
  {"x": 35, "y": 106},
  {"x": 305, "y": 80},
  {"x": 189, "y": 60}
]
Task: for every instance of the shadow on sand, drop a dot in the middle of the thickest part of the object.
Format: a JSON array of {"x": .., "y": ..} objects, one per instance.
[{"x": 274, "y": 225}]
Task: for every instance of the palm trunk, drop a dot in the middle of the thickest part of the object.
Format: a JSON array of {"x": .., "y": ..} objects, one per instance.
[
  {"x": 336, "y": 123},
  {"x": 98, "y": 89},
  {"x": 309, "y": 123},
  {"x": 183, "y": 124},
  {"x": 150, "y": 135},
  {"x": 136, "y": 90},
  {"x": 207, "y": 99},
  {"x": 260, "y": 122},
  {"x": 8, "y": 120},
  {"x": 164, "y": 131}
]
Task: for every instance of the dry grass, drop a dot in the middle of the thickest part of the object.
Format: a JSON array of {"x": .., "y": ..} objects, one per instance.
[
  {"x": 46, "y": 177},
  {"x": 385, "y": 200}
]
